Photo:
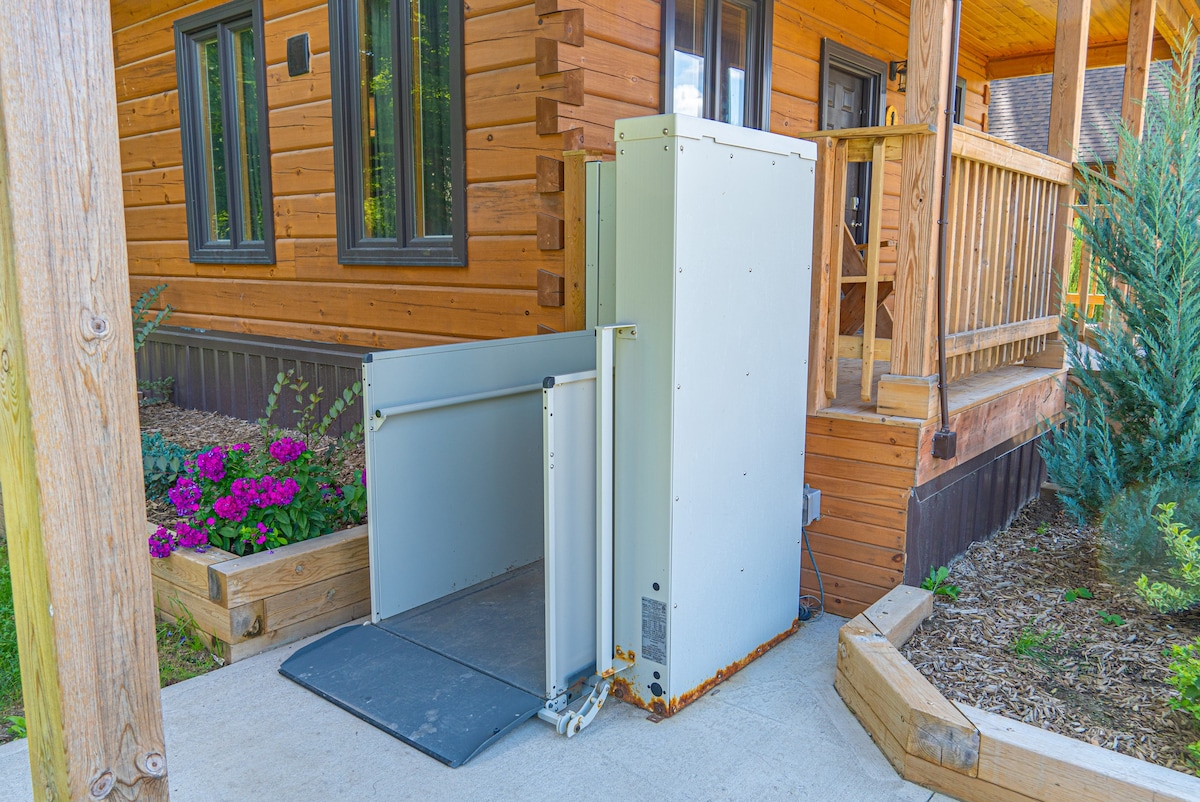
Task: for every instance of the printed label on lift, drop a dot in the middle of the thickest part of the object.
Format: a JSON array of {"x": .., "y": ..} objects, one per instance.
[{"x": 654, "y": 630}]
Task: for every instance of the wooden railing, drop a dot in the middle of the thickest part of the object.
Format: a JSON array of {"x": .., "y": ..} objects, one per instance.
[
  {"x": 999, "y": 267},
  {"x": 1000, "y": 275}
]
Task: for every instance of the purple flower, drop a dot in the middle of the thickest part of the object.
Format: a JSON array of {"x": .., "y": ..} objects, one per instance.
[
  {"x": 272, "y": 492},
  {"x": 231, "y": 508},
  {"x": 287, "y": 450},
  {"x": 246, "y": 490},
  {"x": 244, "y": 448},
  {"x": 185, "y": 496},
  {"x": 211, "y": 464},
  {"x": 161, "y": 543},
  {"x": 363, "y": 477},
  {"x": 285, "y": 492},
  {"x": 190, "y": 537}
]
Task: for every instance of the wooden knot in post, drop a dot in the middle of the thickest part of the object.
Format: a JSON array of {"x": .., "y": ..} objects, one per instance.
[{"x": 102, "y": 785}]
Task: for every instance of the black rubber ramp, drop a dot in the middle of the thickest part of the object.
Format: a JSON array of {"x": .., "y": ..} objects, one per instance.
[{"x": 446, "y": 709}]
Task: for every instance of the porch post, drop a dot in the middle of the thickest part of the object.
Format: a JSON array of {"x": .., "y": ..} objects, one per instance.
[
  {"x": 910, "y": 389},
  {"x": 69, "y": 461},
  {"x": 1066, "y": 111},
  {"x": 1137, "y": 64}
]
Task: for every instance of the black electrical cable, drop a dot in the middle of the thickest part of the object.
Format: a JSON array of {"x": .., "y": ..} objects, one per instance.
[{"x": 808, "y": 613}]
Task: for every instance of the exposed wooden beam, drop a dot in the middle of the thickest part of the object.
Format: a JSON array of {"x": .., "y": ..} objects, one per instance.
[
  {"x": 1137, "y": 64},
  {"x": 1171, "y": 18},
  {"x": 1108, "y": 54},
  {"x": 913, "y": 341},
  {"x": 69, "y": 460}
]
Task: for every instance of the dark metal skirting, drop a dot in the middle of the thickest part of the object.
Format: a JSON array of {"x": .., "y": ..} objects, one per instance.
[
  {"x": 972, "y": 502},
  {"x": 232, "y": 374}
]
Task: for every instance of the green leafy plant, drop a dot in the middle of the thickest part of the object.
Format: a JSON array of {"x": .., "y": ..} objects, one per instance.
[
  {"x": 1042, "y": 529},
  {"x": 1036, "y": 644},
  {"x": 10, "y": 666},
  {"x": 1112, "y": 619},
  {"x": 163, "y": 462},
  {"x": 145, "y": 324},
  {"x": 312, "y": 426},
  {"x": 936, "y": 582},
  {"x": 1183, "y": 552},
  {"x": 1077, "y": 593},
  {"x": 16, "y": 726},
  {"x": 1132, "y": 419},
  {"x": 1185, "y": 679},
  {"x": 154, "y": 391}
]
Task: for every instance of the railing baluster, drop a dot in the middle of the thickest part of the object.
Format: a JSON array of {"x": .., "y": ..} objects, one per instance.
[{"x": 874, "y": 237}]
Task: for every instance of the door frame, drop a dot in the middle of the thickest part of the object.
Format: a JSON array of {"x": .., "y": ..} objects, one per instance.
[{"x": 873, "y": 71}]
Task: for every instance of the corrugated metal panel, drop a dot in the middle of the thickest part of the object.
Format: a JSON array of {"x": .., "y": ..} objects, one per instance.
[
  {"x": 970, "y": 503},
  {"x": 218, "y": 371}
]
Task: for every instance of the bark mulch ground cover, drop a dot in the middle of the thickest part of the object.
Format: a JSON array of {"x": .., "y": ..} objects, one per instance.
[{"x": 1090, "y": 668}]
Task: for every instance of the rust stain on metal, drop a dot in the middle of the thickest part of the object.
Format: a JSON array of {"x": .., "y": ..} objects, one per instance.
[
  {"x": 624, "y": 690},
  {"x": 686, "y": 698}
]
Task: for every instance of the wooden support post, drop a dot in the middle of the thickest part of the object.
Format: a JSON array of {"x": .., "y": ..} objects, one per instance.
[
  {"x": 1066, "y": 112},
  {"x": 575, "y": 239},
  {"x": 69, "y": 460},
  {"x": 878, "y": 165},
  {"x": 823, "y": 286},
  {"x": 1137, "y": 64},
  {"x": 914, "y": 354}
]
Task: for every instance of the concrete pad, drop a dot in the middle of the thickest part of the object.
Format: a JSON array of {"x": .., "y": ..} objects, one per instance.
[{"x": 776, "y": 730}]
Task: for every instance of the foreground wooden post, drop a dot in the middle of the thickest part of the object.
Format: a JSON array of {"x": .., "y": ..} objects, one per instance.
[
  {"x": 1138, "y": 53},
  {"x": 911, "y": 387},
  {"x": 1066, "y": 114},
  {"x": 69, "y": 459}
]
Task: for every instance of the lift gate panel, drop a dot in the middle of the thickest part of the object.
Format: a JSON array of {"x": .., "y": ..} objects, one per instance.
[{"x": 465, "y": 572}]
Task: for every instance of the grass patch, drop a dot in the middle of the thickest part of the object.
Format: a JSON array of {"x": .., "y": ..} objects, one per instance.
[{"x": 10, "y": 668}]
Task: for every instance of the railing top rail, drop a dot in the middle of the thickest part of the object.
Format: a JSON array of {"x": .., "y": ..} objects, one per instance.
[
  {"x": 978, "y": 146},
  {"x": 874, "y": 132}
]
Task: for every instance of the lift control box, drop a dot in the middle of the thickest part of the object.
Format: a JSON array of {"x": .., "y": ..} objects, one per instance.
[{"x": 713, "y": 265}]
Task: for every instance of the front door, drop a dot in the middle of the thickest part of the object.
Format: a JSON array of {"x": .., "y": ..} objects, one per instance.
[{"x": 851, "y": 97}]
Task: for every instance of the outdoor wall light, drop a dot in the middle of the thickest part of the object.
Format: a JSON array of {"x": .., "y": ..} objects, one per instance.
[{"x": 898, "y": 72}]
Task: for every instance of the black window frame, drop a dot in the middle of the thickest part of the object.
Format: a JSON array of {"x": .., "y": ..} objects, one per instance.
[
  {"x": 960, "y": 100},
  {"x": 354, "y": 248},
  {"x": 224, "y": 18},
  {"x": 758, "y": 70}
]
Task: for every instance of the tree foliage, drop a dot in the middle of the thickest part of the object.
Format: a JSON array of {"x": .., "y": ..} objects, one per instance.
[{"x": 1133, "y": 420}]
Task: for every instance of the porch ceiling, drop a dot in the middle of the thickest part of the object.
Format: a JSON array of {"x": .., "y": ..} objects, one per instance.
[{"x": 1017, "y": 38}]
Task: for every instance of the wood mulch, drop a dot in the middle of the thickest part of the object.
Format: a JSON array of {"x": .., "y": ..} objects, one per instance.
[
  {"x": 1097, "y": 681},
  {"x": 195, "y": 430}
]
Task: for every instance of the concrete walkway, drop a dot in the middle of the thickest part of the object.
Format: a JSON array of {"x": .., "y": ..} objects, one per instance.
[{"x": 776, "y": 730}]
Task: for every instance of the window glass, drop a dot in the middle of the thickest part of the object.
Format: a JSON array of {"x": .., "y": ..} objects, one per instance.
[
  {"x": 690, "y": 49},
  {"x": 735, "y": 48},
  {"x": 249, "y": 150},
  {"x": 431, "y": 122},
  {"x": 213, "y": 134},
  {"x": 377, "y": 107}
]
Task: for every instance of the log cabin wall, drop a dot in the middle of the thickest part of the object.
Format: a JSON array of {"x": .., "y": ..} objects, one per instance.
[
  {"x": 527, "y": 101},
  {"x": 541, "y": 77}
]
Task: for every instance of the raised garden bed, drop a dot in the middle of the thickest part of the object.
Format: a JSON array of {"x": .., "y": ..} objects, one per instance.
[
  {"x": 253, "y": 603},
  {"x": 966, "y": 752},
  {"x": 248, "y": 604}
]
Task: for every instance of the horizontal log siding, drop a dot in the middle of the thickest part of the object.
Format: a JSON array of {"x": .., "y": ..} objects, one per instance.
[
  {"x": 865, "y": 472},
  {"x": 307, "y": 294}
]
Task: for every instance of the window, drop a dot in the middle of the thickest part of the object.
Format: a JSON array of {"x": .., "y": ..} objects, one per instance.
[
  {"x": 960, "y": 100},
  {"x": 718, "y": 59},
  {"x": 398, "y": 131},
  {"x": 223, "y": 123}
]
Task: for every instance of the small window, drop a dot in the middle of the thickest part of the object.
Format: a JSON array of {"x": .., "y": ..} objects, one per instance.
[
  {"x": 718, "y": 59},
  {"x": 960, "y": 100},
  {"x": 398, "y": 131},
  {"x": 223, "y": 123}
]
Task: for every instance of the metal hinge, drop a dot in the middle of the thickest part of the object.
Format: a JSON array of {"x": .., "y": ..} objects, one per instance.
[{"x": 572, "y": 721}]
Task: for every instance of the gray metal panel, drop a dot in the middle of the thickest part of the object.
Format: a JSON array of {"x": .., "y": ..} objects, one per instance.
[
  {"x": 455, "y": 491},
  {"x": 713, "y": 265},
  {"x": 601, "y": 243},
  {"x": 569, "y": 420}
]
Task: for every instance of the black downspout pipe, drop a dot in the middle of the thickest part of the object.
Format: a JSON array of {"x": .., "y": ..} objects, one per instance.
[{"x": 944, "y": 440}]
